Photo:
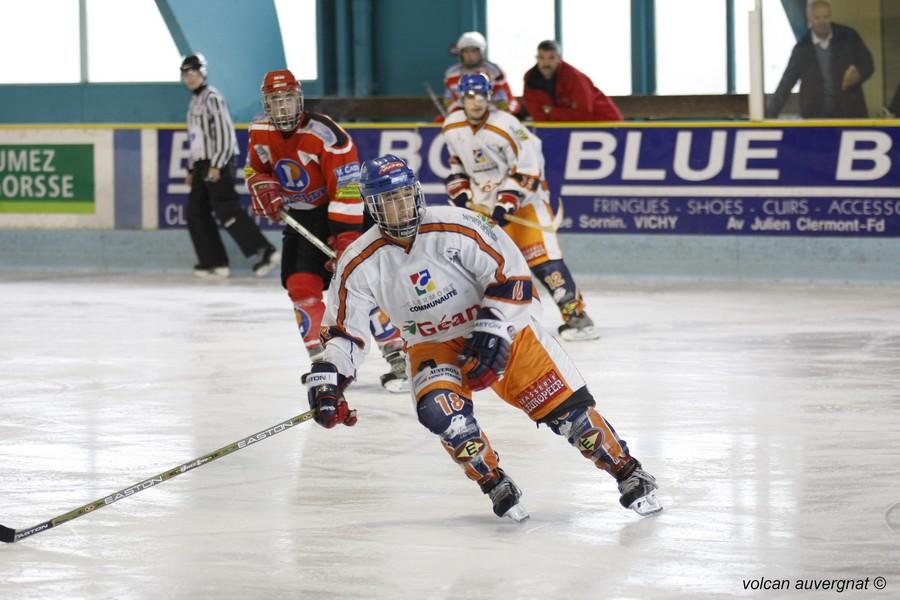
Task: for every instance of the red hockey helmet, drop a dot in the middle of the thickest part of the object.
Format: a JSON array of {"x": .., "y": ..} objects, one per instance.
[{"x": 282, "y": 99}]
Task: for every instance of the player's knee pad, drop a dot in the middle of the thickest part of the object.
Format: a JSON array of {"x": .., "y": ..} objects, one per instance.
[
  {"x": 447, "y": 414},
  {"x": 304, "y": 288},
  {"x": 556, "y": 276}
]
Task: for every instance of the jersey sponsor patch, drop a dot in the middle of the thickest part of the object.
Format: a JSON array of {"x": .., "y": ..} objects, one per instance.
[
  {"x": 429, "y": 328},
  {"x": 422, "y": 282},
  {"x": 534, "y": 251},
  {"x": 436, "y": 299},
  {"x": 469, "y": 450},
  {"x": 291, "y": 174},
  {"x": 347, "y": 174},
  {"x": 482, "y": 223},
  {"x": 590, "y": 441},
  {"x": 478, "y": 156},
  {"x": 441, "y": 372},
  {"x": 380, "y": 325},
  {"x": 546, "y": 387},
  {"x": 262, "y": 151}
]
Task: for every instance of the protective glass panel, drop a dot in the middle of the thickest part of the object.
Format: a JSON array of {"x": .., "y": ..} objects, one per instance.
[
  {"x": 691, "y": 49},
  {"x": 845, "y": 64},
  {"x": 129, "y": 42},
  {"x": 25, "y": 44},
  {"x": 514, "y": 29},
  {"x": 297, "y": 21},
  {"x": 597, "y": 42}
]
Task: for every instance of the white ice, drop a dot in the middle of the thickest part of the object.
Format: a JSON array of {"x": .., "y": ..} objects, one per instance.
[{"x": 770, "y": 414}]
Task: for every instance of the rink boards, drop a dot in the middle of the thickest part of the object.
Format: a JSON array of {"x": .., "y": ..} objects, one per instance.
[{"x": 825, "y": 179}]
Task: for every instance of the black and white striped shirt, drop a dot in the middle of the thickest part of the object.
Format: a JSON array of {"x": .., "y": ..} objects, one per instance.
[{"x": 210, "y": 130}]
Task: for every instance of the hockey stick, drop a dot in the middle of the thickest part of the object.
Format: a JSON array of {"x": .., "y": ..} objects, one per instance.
[
  {"x": 296, "y": 226},
  {"x": 10, "y": 536},
  {"x": 552, "y": 228},
  {"x": 434, "y": 99}
]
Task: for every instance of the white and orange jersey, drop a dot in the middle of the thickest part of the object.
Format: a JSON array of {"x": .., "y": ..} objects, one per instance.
[
  {"x": 315, "y": 164},
  {"x": 459, "y": 262},
  {"x": 497, "y": 154},
  {"x": 502, "y": 96}
]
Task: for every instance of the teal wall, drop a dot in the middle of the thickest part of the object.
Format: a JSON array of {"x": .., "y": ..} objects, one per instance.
[
  {"x": 94, "y": 103},
  {"x": 408, "y": 53}
]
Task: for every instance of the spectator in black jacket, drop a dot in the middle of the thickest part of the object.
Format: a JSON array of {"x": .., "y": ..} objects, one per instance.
[{"x": 832, "y": 62}]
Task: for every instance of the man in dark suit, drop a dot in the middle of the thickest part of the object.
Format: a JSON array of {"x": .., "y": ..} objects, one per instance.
[{"x": 832, "y": 62}]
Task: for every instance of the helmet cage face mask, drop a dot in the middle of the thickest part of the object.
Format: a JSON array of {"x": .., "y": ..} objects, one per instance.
[
  {"x": 398, "y": 212},
  {"x": 283, "y": 107}
]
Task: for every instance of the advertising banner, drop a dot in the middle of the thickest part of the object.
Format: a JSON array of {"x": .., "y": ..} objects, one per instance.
[
  {"x": 47, "y": 178},
  {"x": 699, "y": 179}
]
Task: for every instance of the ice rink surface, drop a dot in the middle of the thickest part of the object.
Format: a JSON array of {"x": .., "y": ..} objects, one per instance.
[{"x": 769, "y": 413}]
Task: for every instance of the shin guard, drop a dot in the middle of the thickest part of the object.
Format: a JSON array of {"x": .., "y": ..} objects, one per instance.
[
  {"x": 305, "y": 290},
  {"x": 449, "y": 415},
  {"x": 595, "y": 438},
  {"x": 556, "y": 276}
]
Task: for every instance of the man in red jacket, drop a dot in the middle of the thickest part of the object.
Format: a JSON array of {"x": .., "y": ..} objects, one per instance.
[{"x": 557, "y": 91}]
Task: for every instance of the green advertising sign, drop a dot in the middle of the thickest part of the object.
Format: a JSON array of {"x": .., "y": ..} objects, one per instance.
[{"x": 47, "y": 178}]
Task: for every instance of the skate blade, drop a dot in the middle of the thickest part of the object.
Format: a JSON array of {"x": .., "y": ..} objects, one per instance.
[
  {"x": 217, "y": 273},
  {"x": 579, "y": 335},
  {"x": 267, "y": 268},
  {"x": 517, "y": 513},
  {"x": 648, "y": 505},
  {"x": 396, "y": 386}
]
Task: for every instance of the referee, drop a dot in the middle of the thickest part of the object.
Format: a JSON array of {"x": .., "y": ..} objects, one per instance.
[{"x": 211, "y": 176}]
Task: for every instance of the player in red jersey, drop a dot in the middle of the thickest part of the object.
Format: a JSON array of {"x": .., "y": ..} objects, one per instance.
[{"x": 305, "y": 163}]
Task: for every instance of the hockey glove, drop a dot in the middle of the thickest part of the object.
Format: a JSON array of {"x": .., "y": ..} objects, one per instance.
[
  {"x": 507, "y": 203},
  {"x": 265, "y": 195},
  {"x": 486, "y": 350},
  {"x": 339, "y": 243},
  {"x": 459, "y": 189},
  {"x": 324, "y": 388}
]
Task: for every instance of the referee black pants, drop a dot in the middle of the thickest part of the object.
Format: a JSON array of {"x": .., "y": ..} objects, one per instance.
[{"x": 208, "y": 198}]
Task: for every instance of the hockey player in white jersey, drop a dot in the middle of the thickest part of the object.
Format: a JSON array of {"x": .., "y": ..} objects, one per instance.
[
  {"x": 497, "y": 164},
  {"x": 462, "y": 295}
]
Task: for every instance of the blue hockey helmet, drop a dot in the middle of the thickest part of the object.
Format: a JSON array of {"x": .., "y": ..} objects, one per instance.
[
  {"x": 475, "y": 83},
  {"x": 393, "y": 195}
]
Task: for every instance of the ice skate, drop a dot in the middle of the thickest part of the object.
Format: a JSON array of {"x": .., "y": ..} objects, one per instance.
[
  {"x": 639, "y": 492},
  {"x": 395, "y": 380},
  {"x": 268, "y": 259},
  {"x": 211, "y": 272},
  {"x": 577, "y": 327},
  {"x": 505, "y": 494}
]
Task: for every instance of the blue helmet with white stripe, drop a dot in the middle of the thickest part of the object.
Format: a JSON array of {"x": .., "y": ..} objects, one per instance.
[
  {"x": 475, "y": 83},
  {"x": 393, "y": 195}
]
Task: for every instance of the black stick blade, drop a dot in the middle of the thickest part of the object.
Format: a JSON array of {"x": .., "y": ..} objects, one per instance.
[{"x": 7, "y": 535}]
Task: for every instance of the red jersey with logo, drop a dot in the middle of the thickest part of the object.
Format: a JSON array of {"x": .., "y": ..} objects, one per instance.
[{"x": 316, "y": 164}]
